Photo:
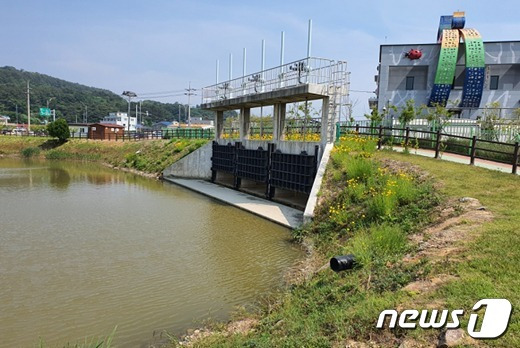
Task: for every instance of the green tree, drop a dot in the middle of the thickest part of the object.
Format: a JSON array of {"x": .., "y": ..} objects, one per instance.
[
  {"x": 59, "y": 129},
  {"x": 409, "y": 112},
  {"x": 489, "y": 120},
  {"x": 438, "y": 116}
]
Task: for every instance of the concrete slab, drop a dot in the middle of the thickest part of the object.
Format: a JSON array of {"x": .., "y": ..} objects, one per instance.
[{"x": 281, "y": 214}]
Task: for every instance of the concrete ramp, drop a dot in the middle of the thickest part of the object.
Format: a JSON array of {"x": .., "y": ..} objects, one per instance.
[
  {"x": 278, "y": 213},
  {"x": 196, "y": 165}
]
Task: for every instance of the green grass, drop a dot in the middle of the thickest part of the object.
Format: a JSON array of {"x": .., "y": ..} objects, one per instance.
[
  {"x": 363, "y": 214},
  {"x": 150, "y": 156},
  {"x": 330, "y": 309}
]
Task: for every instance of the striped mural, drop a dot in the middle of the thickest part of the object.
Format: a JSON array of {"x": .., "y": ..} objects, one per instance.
[{"x": 451, "y": 30}]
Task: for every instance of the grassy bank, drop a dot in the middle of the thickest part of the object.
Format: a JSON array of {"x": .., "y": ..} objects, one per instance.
[
  {"x": 150, "y": 156},
  {"x": 376, "y": 205}
]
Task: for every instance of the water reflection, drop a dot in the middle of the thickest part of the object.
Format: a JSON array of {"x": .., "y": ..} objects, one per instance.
[{"x": 84, "y": 248}]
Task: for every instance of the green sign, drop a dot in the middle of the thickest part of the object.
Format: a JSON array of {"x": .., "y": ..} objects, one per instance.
[{"x": 45, "y": 112}]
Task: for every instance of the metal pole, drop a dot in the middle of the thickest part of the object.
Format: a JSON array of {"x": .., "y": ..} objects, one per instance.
[
  {"x": 216, "y": 72},
  {"x": 28, "y": 107},
  {"x": 244, "y": 64},
  {"x": 128, "y": 116},
  {"x": 230, "y": 66},
  {"x": 282, "y": 48},
  {"x": 309, "y": 39}
]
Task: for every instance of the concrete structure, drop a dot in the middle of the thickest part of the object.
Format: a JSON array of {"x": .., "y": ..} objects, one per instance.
[
  {"x": 304, "y": 80},
  {"x": 121, "y": 119},
  {"x": 105, "y": 131},
  {"x": 4, "y": 120},
  {"x": 79, "y": 129},
  {"x": 472, "y": 74},
  {"x": 502, "y": 77},
  {"x": 196, "y": 165},
  {"x": 275, "y": 212}
]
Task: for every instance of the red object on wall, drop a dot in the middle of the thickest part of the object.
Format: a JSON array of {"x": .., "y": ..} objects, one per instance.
[{"x": 413, "y": 54}]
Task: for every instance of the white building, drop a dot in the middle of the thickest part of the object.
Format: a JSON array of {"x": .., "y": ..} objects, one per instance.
[{"x": 121, "y": 119}]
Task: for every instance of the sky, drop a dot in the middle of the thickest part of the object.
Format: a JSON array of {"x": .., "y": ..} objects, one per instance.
[{"x": 160, "y": 45}]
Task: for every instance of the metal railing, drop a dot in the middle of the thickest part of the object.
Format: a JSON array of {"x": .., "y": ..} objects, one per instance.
[{"x": 305, "y": 71}]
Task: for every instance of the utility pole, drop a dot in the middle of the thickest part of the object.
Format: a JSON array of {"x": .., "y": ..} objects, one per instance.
[
  {"x": 130, "y": 95},
  {"x": 28, "y": 107},
  {"x": 189, "y": 94}
]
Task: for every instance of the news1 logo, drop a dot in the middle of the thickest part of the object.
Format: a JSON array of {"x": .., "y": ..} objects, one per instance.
[{"x": 494, "y": 322}]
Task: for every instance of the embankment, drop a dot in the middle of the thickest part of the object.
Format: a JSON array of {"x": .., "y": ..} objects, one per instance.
[
  {"x": 420, "y": 242},
  {"x": 149, "y": 157}
]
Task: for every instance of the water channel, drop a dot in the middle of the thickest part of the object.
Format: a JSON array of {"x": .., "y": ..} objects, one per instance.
[{"x": 84, "y": 248}]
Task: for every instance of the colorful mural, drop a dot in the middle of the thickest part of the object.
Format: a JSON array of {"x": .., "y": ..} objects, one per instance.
[{"x": 451, "y": 30}]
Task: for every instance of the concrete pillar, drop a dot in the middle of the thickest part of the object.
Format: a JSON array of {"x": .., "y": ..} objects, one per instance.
[
  {"x": 219, "y": 125},
  {"x": 328, "y": 127},
  {"x": 279, "y": 111},
  {"x": 245, "y": 123}
]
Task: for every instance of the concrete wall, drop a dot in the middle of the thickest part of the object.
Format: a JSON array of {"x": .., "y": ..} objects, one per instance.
[
  {"x": 291, "y": 147},
  {"x": 197, "y": 165},
  {"x": 501, "y": 58}
]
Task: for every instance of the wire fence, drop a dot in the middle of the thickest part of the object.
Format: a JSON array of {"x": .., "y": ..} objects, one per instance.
[{"x": 410, "y": 138}]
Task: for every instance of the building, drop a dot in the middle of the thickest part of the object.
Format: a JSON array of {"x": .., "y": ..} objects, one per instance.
[
  {"x": 105, "y": 131},
  {"x": 460, "y": 72},
  {"x": 121, "y": 119},
  {"x": 79, "y": 129},
  {"x": 160, "y": 125},
  {"x": 4, "y": 120}
]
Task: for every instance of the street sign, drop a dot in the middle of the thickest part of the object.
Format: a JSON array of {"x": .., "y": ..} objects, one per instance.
[{"x": 45, "y": 112}]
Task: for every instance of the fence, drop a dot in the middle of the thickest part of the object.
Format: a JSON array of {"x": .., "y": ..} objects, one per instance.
[
  {"x": 293, "y": 172},
  {"x": 473, "y": 147},
  {"x": 502, "y": 132},
  {"x": 309, "y": 132}
]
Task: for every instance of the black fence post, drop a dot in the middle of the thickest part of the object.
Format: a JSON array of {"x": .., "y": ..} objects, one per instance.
[
  {"x": 473, "y": 150},
  {"x": 438, "y": 144},
  {"x": 515, "y": 158},
  {"x": 407, "y": 136},
  {"x": 270, "y": 188},
  {"x": 213, "y": 171},
  {"x": 380, "y": 138},
  {"x": 357, "y": 127},
  {"x": 237, "y": 180}
]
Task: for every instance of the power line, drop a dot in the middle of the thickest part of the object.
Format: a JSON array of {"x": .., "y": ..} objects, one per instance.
[{"x": 189, "y": 93}]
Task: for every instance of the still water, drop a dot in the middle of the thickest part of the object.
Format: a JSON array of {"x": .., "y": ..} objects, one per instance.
[{"x": 84, "y": 248}]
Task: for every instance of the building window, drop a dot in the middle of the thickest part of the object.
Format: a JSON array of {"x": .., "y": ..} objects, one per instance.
[
  {"x": 409, "y": 83},
  {"x": 493, "y": 82}
]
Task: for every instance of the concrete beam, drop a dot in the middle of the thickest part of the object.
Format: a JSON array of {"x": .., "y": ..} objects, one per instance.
[
  {"x": 219, "y": 124},
  {"x": 245, "y": 123},
  {"x": 285, "y": 95},
  {"x": 279, "y": 113}
]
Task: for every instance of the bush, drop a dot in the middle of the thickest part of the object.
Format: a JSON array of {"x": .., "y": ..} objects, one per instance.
[
  {"x": 30, "y": 152},
  {"x": 59, "y": 129}
]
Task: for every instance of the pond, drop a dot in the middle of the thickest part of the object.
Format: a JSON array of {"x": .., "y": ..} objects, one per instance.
[{"x": 84, "y": 248}]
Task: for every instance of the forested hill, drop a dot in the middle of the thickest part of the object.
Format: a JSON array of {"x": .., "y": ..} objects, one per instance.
[{"x": 72, "y": 100}]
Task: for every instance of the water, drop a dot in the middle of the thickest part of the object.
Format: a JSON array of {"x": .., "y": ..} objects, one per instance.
[{"x": 84, "y": 248}]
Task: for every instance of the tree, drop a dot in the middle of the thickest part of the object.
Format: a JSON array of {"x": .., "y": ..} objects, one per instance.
[
  {"x": 59, "y": 129},
  {"x": 409, "y": 112},
  {"x": 438, "y": 116}
]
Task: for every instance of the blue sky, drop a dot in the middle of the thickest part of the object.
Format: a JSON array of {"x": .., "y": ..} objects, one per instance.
[{"x": 160, "y": 45}]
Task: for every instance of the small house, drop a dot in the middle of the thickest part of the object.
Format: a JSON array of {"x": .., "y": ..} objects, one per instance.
[{"x": 105, "y": 131}]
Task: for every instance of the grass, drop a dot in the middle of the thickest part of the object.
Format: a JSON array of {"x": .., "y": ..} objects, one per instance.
[
  {"x": 329, "y": 309},
  {"x": 150, "y": 156},
  {"x": 361, "y": 213},
  {"x": 93, "y": 342}
]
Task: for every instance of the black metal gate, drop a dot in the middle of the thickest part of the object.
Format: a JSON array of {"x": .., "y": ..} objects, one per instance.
[{"x": 273, "y": 168}]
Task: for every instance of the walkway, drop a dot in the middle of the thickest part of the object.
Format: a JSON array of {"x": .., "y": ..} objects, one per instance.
[
  {"x": 281, "y": 214},
  {"x": 506, "y": 168}
]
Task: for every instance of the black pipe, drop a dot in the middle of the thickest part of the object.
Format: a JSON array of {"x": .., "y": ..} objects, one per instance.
[{"x": 342, "y": 263}]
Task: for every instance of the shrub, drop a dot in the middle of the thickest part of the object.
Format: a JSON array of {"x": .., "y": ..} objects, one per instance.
[
  {"x": 30, "y": 152},
  {"x": 59, "y": 129}
]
